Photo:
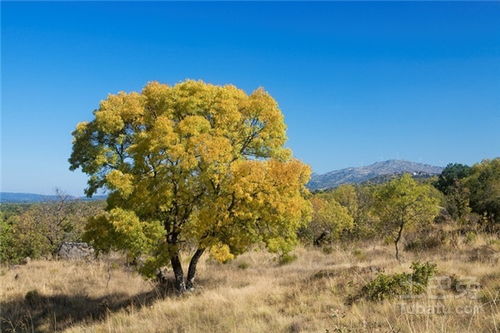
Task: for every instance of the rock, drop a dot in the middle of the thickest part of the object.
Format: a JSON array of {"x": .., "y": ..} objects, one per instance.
[{"x": 75, "y": 251}]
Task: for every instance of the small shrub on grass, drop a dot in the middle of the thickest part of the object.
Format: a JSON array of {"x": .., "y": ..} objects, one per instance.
[
  {"x": 243, "y": 265},
  {"x": 32, "y": 297},
  {"x": 327, "y": 249},
  {"x": 286, "y": 258},
  {"x": 422, "y": 273},
  {"x": 358, "y": 254},
  {"x": 470, "y": 237},
  {"x": 493, "y": 242},
  {"x": 386, "y": 286}
]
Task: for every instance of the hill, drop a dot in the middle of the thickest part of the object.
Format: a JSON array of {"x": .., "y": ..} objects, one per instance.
[
  {"x": 373, "y": 172},
  {"x": 376, "y": 173}
]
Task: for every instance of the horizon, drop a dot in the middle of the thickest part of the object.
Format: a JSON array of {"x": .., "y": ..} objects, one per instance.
[{"x": 358, "y": 83}]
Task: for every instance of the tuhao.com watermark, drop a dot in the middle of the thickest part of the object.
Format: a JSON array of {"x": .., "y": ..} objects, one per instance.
[
  {"x": 438, "y": 309},
  {"x": 443, "y": 288}
]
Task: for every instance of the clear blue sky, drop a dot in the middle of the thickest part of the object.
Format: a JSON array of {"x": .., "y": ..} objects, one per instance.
[{"x": 357, "y": 82}]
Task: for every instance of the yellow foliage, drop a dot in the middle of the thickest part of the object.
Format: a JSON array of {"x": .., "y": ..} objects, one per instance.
[
  {"x": 120, "y": 182},
  {"x": 221, "y": 252},
  {"x": 205, "y": 162},
  {"x": 329, "y": 216}
]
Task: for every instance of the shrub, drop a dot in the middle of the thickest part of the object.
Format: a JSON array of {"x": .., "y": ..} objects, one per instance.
[
  {"x": 21, "y": 238},
  {"x": 286, "y": 258},
  {"x": 40, "y": 229},
  {"x": 358, "y": 254},
  {"x": 32, "y": 297},
  {"x": 484, "y": 197},
  {"x": 5, "y": 241},
  {"x": 243, "y": 265},
  {"x": 327, "y": 249},
  {"x": 392, "y": 285},
  {"x": 470, "y": 237},
  {"x": 330, "y": 219}
]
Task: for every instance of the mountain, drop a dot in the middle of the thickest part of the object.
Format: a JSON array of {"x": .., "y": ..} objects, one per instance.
[
  {"x": 10, "y": 197},
  {"x": 374, "y": 172}
]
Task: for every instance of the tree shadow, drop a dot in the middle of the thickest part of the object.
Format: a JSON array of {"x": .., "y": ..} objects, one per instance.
[{"x": 39, "y": 313}]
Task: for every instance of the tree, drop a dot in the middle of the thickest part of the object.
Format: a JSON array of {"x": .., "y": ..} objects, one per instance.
[
  {"x": 457, "y": 202},
  {"x": 190, "y": 167},
  {"x": 329, "y": 219},
  {"x": 484, "y": 187},
  {"x": 403, "y": 202},
  {"x": 347, "y": 196},
  {"x": 450, "y": 176},
  {"x": 39, "y": 229},
  {"x": 58, "y": 221}
]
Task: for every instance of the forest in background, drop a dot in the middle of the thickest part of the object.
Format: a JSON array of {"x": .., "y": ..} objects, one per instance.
[{"x": 462, "y": 200}]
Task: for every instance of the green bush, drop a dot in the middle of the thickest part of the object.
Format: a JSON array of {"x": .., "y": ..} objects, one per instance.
[
  {"x": 470, "y": 237},
  {"x": 5, "y": 241},
  {"x": 19, "y": 240},
  {"x": 243, "y": 265},
  {"x": 386, "y": 286},
  {"x": 286, "y": 258},
  {"x": 38, "y": 230},
  {"x": 33, "y": 297},
  {"x": 359, "y": 254},
  {"x": 327, "y": 249}
]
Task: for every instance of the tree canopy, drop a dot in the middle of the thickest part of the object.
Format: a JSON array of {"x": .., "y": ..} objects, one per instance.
[
  {"x": 484, "y": 186},
  {"x": 403, "y": 202},
  {"x": 450, "y": 176},
  {"x": 194, "y": 166},
  {"x": 329, "y": 218}
]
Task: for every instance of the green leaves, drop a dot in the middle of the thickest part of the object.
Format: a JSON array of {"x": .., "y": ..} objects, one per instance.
[
  {"x": 405, "y": 201},
  {"x": 329, "y": 216},
  {"x": 386, "y": 286},
  {"x": 484, "y": 186},
  {"x": 121, "y": 229},
  {"x": 191, "y": 165}
]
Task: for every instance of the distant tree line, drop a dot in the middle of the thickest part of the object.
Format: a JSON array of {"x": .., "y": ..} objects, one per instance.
[{"x": 466, "y": 197}]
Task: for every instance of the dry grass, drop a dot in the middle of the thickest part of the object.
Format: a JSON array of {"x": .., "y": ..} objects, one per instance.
[{"x": 250, "y": 294}]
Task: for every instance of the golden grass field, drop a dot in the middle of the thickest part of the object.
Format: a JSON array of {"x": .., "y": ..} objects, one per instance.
[{"x": 254, "y": 293}]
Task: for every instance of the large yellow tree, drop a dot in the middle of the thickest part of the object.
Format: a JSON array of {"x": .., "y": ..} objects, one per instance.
[{"x": 191, "y": 167}]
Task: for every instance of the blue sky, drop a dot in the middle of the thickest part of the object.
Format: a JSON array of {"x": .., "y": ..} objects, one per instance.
[{"x": 357, "y": 82}]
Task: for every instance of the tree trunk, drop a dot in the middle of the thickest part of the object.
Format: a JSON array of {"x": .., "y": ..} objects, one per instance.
[
  {"x": 180, "y": 285},
  {"x": 318, "y": 241},
  {"x": 398, "y": 238},
  {"x": 192, "y": 268}
]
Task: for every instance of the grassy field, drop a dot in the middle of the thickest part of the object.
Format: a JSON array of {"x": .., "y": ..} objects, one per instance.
[{"x": 254, "y": 293}]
